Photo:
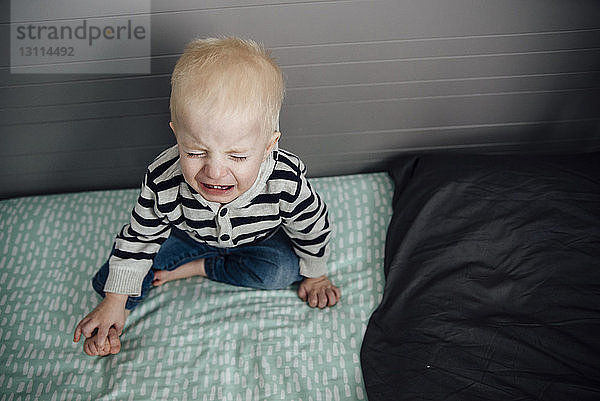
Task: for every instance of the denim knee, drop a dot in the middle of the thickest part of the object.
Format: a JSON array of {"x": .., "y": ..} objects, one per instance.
[
  {"x": 247, "y": 271},
  {"x": 281, "y": 264},
  {"x": 270, "y": 264},
  {"x": 283, "y": 273}
]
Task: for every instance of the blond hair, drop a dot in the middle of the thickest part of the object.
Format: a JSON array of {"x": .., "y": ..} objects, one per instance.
[{"x": 219, "y": 77}]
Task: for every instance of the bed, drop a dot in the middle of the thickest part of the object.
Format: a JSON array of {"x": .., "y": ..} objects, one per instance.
[
  {"x": 492, "y": 290},
  {"x": 464, "y": 277},
  {"x": 192, "y": 339}
]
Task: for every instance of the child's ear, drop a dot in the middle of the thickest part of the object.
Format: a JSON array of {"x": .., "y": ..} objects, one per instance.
[
  {"x": 274, "y": 139},
  {"x": 172, "y": 126}
]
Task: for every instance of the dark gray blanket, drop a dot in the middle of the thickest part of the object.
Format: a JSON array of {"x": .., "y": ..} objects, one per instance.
[{"x": 492, "y": 281}]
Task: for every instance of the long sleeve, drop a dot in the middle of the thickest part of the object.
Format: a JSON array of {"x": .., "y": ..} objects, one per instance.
[
  {"x": 306, "y": 222},
  {"x": 136, "y": 245}
]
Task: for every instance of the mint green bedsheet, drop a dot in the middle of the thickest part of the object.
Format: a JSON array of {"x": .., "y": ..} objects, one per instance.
[{"x": 191, "y": 339}]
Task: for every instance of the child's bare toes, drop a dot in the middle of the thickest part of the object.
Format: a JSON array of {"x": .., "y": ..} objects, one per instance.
[
  {"x": 106, "y": 349},
  {"x": 113, "y": 343},
  {"x": 160, "y": 277},
  {"x": 333, "y": 295},
  {"x": 89, "y": 347}
]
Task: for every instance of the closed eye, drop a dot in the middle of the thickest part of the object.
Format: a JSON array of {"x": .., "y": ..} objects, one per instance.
[
  {"x": 194, "y": 155},
  {"x": 239, "y": 158}
]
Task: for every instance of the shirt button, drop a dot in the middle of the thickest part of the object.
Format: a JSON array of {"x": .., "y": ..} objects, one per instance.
[
  {"x": 225, "y": 237},
  {"x": 223, "y": 212}
]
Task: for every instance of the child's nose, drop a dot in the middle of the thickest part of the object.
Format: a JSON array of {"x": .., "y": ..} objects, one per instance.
[{"x": 214, "y": 170}]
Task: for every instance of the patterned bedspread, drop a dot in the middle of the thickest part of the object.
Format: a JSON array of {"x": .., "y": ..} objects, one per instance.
[{"x": 192, "y": 339}]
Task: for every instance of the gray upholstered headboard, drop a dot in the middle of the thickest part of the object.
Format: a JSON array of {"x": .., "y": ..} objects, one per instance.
[{"x": 366, "y": 80}]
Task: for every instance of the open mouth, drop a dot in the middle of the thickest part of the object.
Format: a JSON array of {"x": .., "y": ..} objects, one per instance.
[{"x": 217, "y": 188}]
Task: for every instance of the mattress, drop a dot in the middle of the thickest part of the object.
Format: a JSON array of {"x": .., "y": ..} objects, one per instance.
[{"x": 192, "y": 338}]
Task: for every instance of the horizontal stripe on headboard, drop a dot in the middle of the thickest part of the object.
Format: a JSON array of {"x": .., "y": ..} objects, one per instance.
[{"x": 366, "y": 81}]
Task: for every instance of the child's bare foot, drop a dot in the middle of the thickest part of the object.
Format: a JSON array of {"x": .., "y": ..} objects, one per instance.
[
  {"x": 112, "y": 345},
  {"x": 190, "y": 269}
]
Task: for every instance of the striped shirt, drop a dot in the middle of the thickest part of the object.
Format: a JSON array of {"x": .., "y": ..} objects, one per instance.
[{"x": 281, "y": 196}]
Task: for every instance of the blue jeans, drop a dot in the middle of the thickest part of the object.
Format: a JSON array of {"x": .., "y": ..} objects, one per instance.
[{"x": 268, "y": 264}]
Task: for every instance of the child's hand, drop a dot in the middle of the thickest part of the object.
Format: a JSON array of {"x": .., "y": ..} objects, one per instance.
[
  {"x": 111, "y": 346},
  {"x": 319, "y": 292},
  {"x": 109, "y": 313}
]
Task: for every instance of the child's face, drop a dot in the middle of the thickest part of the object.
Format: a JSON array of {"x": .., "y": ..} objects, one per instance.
[{"x": 221, "y": 159}]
